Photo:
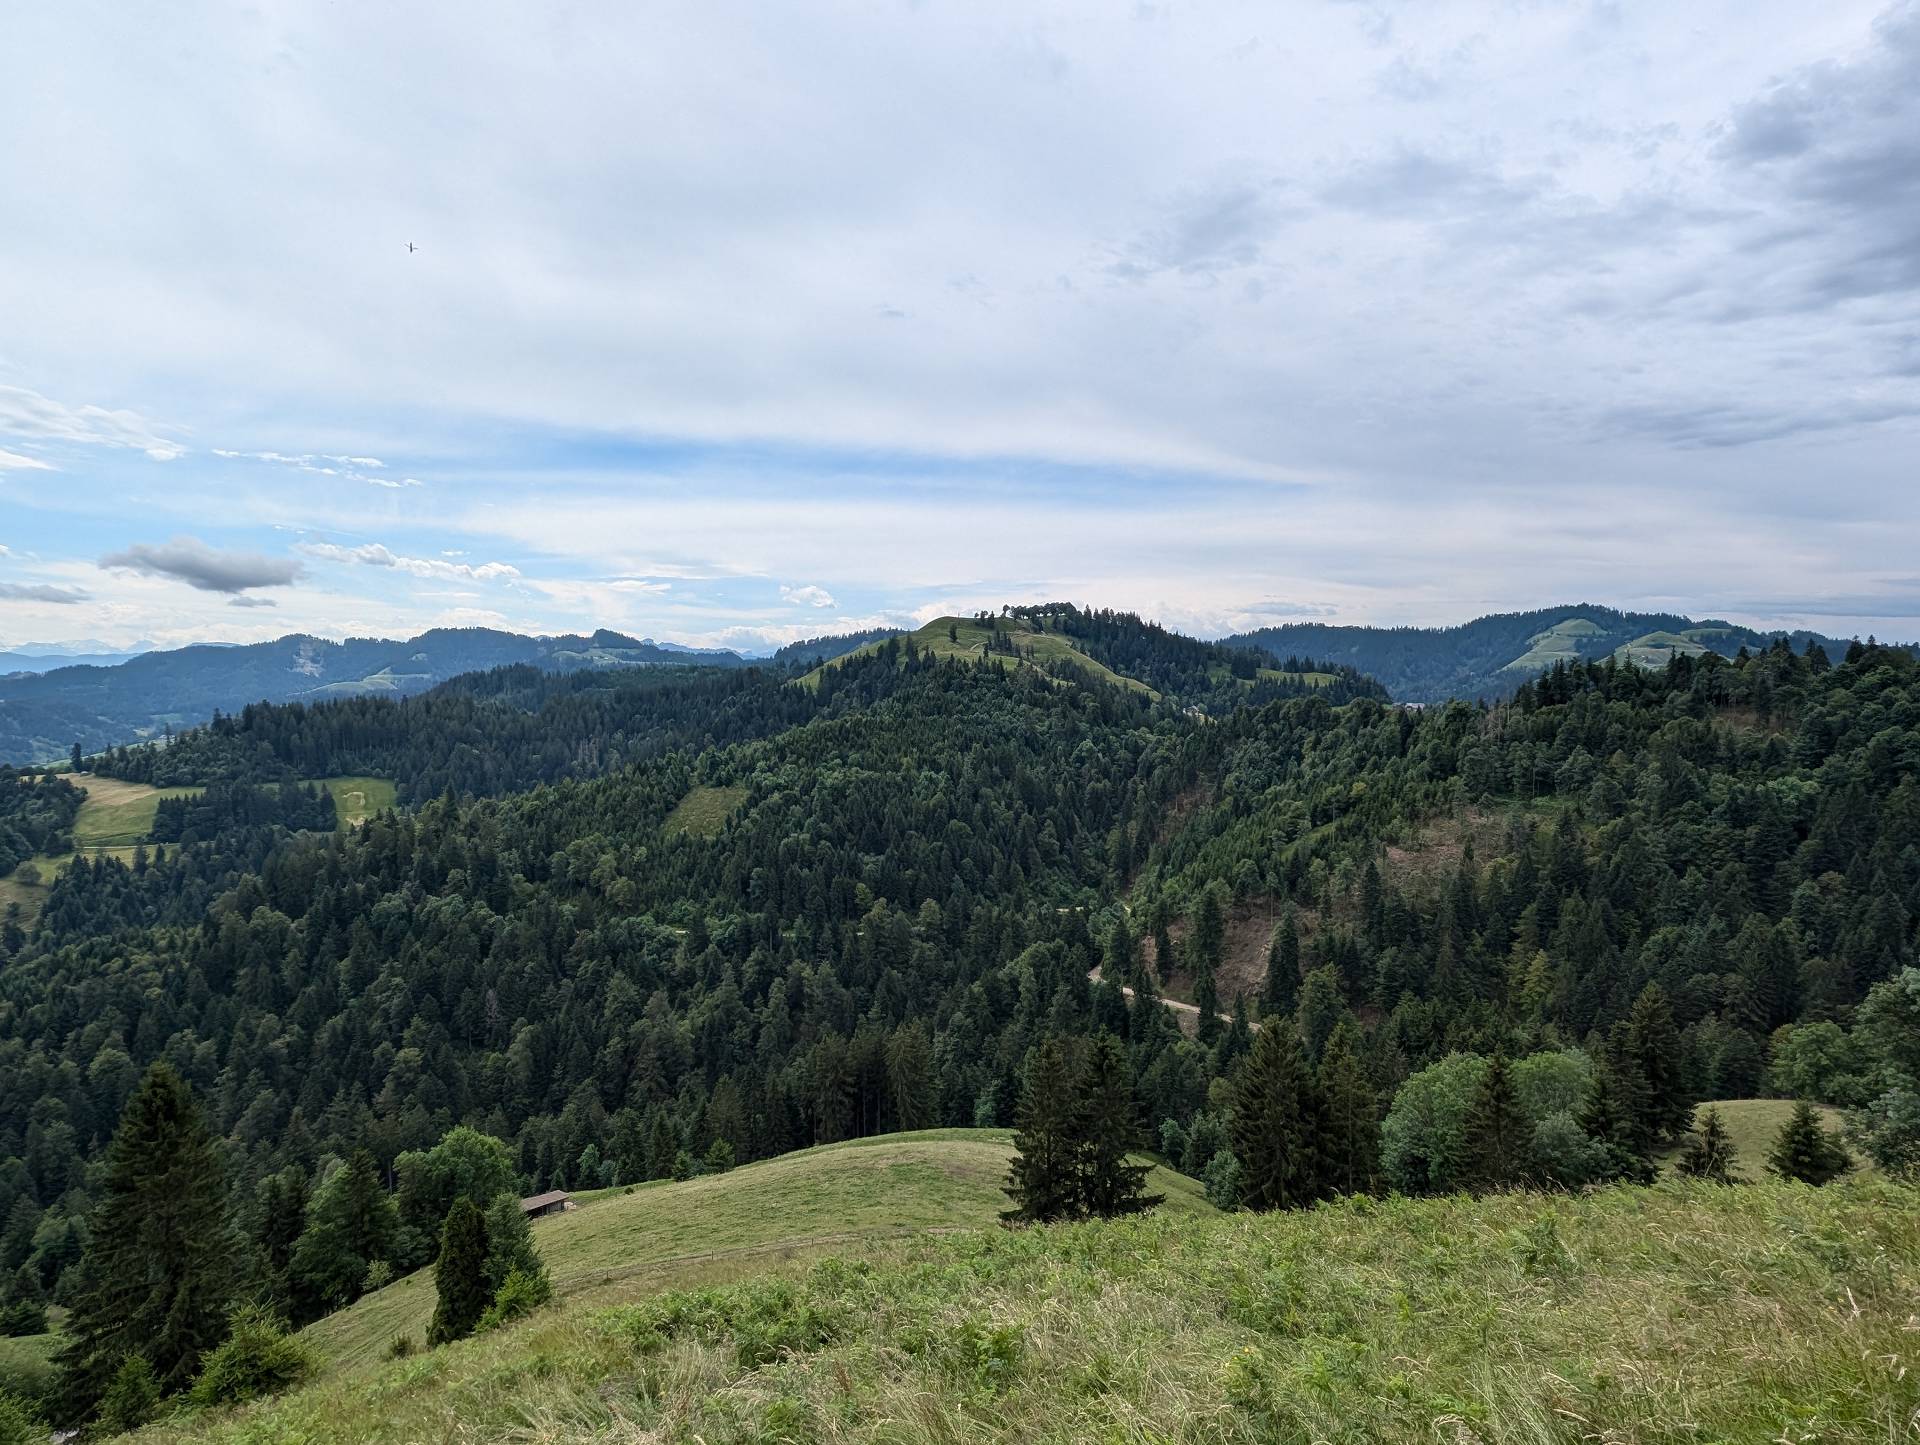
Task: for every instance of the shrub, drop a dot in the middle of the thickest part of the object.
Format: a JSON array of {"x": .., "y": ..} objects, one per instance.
[
  {"x": 379, "y": 1276},
  {"x": 17, "y": 1425},
  {"x": 519, "y": 1295},
  {"x": 131, "y": 1398},
  {"x": 1223, "y": 1180},
  {"x": 258, "y": 1358},
  {"x": 1888, "y": 1129},
  {"x": 400, "y": 1347}
]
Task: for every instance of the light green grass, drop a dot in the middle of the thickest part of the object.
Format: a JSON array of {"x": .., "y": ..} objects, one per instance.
[
  {"x": 26, "y": 1365},
  {"x": 1752, "y": 1126},
  {"x": 31, "y": 896},
  {"x": 963, "y": 637},
  {"x": 1559, "y": 643},
  {"x": 704, "y": 811},
  {"x": 1311, "y": 679},
  {"x": 117, "y": 814},
  {"x": 1657, "y": 649},
  {"x": 358, "y": 799},
  {"x": 628, "y": 1244},
  {"x": 1684, "y": 1312}
]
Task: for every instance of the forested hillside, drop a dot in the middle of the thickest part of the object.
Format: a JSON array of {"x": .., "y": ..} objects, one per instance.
[
  {"x": 1491, "y": 656},
  {"x": 806, "y": 914},
  {"x": 42, "y": 716}
]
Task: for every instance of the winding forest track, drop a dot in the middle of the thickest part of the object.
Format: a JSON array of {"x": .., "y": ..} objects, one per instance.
[{"x": 1093, "y": 976}]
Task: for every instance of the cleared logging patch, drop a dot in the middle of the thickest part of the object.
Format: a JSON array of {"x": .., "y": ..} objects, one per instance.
[{"x": 704, "y": 811}]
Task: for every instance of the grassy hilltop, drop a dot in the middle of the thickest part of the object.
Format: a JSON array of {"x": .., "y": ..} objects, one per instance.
[
  {"x": 1676, "y": 1313},
  {"x": 624, "y": 1244},
  {"x": 965, "y": 637}
]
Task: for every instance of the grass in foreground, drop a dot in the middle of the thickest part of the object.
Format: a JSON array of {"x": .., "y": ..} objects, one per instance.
[
  {"x": 623, "y": 1245},
  {"x": 1683, "y": 1312}
]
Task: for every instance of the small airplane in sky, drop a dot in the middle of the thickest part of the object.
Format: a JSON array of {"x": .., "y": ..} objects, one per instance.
[{"x": 411, "y": 248}]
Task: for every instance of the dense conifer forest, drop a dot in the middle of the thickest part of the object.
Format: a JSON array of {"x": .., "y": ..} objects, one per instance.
[{"x": 1428, "y": 949}]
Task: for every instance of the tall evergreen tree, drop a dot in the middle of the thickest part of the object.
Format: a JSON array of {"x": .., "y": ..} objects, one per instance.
[
  {"x": 1280, "y": 994},
  {"x": 1806, "y": 1151},
  {"x": 1654, "y": 1042},
  {"x": 157, "y": 1272},
  {"x": 1350, "y": 1145},
  {"x": 460, "y": 1274},
  {"x": 352, "y": 1223},
  {"x": 1043, "y": 1180},
  {"x": 1275, "y": 1120},
  {"x": 1109, "y": 1131},
  {"x": 1709, "y": 1153},
  {"x": 1497, "y": 1132},
  {"x": 510, "y": 1247}
]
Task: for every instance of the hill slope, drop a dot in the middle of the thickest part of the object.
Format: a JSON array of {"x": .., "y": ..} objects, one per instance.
[
  {"x": 1684, "y": 1312},
  {"x": 42, "y": 716},
  {"x": 1119, "y": 649},
  {"x": 627, "y": 1244},
  {"x": 1491, "y": 656}
]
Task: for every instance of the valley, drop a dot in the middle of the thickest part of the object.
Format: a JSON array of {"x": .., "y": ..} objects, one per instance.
[{"x": 795, "y": 979}]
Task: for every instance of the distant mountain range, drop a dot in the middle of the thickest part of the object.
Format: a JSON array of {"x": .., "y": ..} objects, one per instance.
[
  {"x": 43, "y": 713},
  {"x": 1491, "y": 656},
  {"x": 45, "y": 657}
]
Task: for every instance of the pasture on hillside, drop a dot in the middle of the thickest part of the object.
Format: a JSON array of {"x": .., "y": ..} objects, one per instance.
[
  {"x": 627, "y": 1243},
  {"x": 1680, "y": 1312}
]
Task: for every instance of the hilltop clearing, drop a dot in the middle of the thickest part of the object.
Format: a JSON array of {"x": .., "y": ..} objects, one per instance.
[{"x": 627, "y": 1244}]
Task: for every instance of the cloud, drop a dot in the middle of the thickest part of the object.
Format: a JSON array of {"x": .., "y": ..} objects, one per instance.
[
  {"x": 189, "y": 560},
  {"x": 325, "y": 464},
  {"x": 251, "y": 602},
  {"x": 1832, "y": 152},
  {"x": 39, "y": 592},
  {"x": 1222, "y": 228},
  {"x": 806, "y": 596},
  {"x": 374, "y": 554},
  {"x": 1412, "y": 181},
  {"x": 14, "y": 462},
  {"x": 28, "y": 414}
]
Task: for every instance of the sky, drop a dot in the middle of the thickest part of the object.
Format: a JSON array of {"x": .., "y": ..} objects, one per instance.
[{"x": 732, "y": 323}]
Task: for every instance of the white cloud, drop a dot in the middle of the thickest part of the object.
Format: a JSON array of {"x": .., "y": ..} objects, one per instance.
[
  {"x": 806, "y": 596},
  {"x": 14, "y": 462},
  {"x": 352, "y": 469},
  {"x": 374, "y": 554},
  {"x": 25, "y": 413}
]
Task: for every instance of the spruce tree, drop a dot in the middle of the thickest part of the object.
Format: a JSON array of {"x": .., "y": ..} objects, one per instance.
[
  {"x": 460, "y": 1274},
  {"x": 1275, "y": 1118},
  {"x": 1804, "y": 1150},
  {"x": 1350, "y": 1146},
  {"x": 352, "y": 1224},
  {"x": 1109, "y": 1131},
  {"x": 1280, "y": 995},
  {"x": 1497, "y": 1133},
  {"x": 1709, "y": 1153},
  {"x": 157, "y": 1271},
  {"x": 1654, "y": 1042},
  {"x": 1043, "y": 1180},
  {"x": 23, "y": 1305}
]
